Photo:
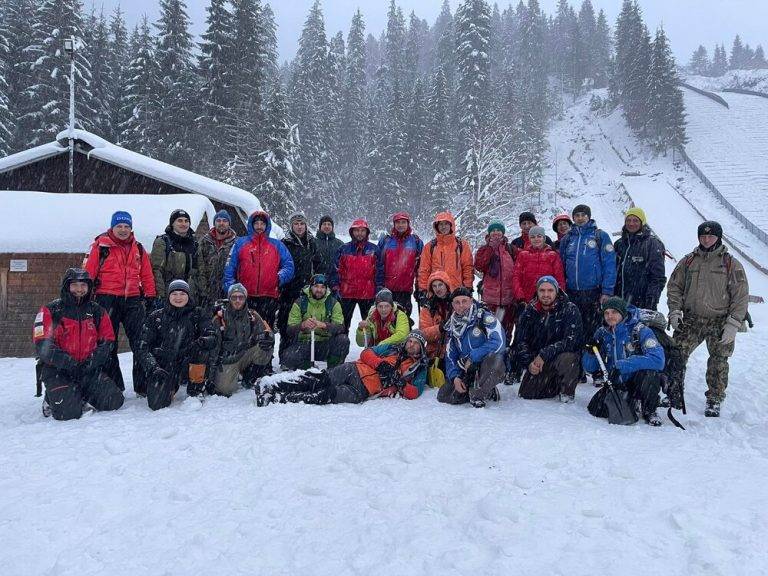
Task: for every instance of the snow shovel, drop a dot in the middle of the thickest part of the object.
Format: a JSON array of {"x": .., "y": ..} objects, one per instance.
[
  {"x": 435, "y": 376},
  {"x": 618, "y": 408}
]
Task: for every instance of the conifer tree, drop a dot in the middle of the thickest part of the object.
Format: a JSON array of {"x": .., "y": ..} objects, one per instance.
[
  {"x": 278, "y": 179},
  {"x": 141, "y": 104},
  {"x": 119, "y": 59},
  {"x": 700, "y": 63}
]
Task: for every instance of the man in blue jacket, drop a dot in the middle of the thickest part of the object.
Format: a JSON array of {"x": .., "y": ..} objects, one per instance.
[
  {"x": 590, "y": 267},
  {"x": 640, "y": 274},
  {"x": 633, "y": 357},
  {"x": 474, "y": 355}
]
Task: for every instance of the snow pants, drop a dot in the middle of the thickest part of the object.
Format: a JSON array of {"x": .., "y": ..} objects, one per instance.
[
  {"x": 692, "y": 332},
  {"x": 348, "y": 309},
  {"x": 161, "y": 391},
  {"x": 333, "y": 351},
  {"x": 254, "y": 362},
  {"x": 588, "y": 303},
  {"x": 285, "y": 303},
  {"x": 559, "y": 375},
  {"x": 66, "y": 393},
  {"x": 346, "y": 385},
  {"x": 643, "y": 386},
  {"x": 265, "y": 307},
  {"x": 131, "y": 313},
  {"x": 490, "y": 373}
]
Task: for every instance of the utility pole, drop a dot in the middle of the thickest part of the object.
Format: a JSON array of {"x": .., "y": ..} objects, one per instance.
[{"x": 69, "y": 48}]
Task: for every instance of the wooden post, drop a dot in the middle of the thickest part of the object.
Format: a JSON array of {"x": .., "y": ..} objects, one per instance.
[{"x": 3, "y": 291}]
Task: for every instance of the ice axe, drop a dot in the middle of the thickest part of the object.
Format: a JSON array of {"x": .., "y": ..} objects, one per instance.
[{"x": 619, "y": 410}]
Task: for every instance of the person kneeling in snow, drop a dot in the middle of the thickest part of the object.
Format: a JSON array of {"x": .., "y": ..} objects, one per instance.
[
  {"x": 385, "y": 370},
  {"x": 73, "y": 336},
  {"x": 387, "y": 322},
  {"x": 246, "y": 344},
  {"x": 316, "y": 310},
  {"x": 475, "y": 353},
  {"x": 634, "y": 359},
  {"x": 547, "y": 344},
  {"x": 175, "y": 345}
]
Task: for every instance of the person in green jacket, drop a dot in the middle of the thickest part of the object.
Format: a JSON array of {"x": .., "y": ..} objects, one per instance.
[
  {"x": 315, "y": 310},
  {"x": 387, "y": 322}
]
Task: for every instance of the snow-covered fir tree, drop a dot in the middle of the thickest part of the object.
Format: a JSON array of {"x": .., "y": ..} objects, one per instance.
[
  {"x": 441, "y": 170},
  {"x": 633, "y": 63},
  {"x": 141, "y": 104},
  {"x": 119, "y": 58},
  {"x": 6, "y": 120},
  {"x": 98, "y": 50},
  {"x": 700, "y": 63},
  {"x": 666, "y": 111},
  {"x": 48, "y": 112},
  {"x": 18, "y": 28},
  {"x": 277, "y": 189}
]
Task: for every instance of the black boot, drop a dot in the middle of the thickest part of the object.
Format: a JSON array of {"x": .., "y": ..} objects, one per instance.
[{"x": 713, "y": 409}]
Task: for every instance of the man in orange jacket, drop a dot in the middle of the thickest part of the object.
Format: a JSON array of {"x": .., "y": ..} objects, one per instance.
[
  {"x": 446, "y": 252},
  {"x": 387, "y": 371}
]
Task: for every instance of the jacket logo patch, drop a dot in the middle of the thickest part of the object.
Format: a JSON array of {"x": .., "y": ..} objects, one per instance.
[
  {"x": 477, "y": 332},
  {"x": 592, "y": 243},
  {"x": 650, "y": 343},
  {"x": 489, "y": 320},
  {"x": 39, "y": 331},
  {"x": 637, "y": 259},
  {"x": 39, "y": 318},
  {"x": 609, "y": 247}
]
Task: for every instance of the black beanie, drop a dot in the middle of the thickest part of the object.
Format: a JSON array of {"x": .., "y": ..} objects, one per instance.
[
  {"x": 615, "y": 303},
  {"x": 710, "y": 227},
  {"x": 527, "y": 217},
  {"x": 461, "y": 291},
  {"x": 582, "y": 209},
  {"x": 179, "y": 213},
  {"x": 325, "y": 219}
]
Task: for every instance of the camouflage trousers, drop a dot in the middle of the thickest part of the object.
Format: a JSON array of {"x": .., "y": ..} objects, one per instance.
[{"x": 692, "y": 332}]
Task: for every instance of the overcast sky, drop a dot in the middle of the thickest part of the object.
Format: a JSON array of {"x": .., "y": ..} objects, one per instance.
[{"x": 687, "y": 22}]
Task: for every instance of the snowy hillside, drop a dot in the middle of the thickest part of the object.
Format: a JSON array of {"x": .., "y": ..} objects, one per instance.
[
  {"x": 394, "y": 487},
  {"x": 756, "y": 80}
]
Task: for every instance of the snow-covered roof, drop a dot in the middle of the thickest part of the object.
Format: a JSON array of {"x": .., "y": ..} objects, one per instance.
[
  {"x": 68, "y": 223},
  {"x": 112, "y": 154}
]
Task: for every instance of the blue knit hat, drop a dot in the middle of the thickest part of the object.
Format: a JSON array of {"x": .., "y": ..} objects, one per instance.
[
  {"x": 497, "y": 225},
  {"x": 548, "y": 280},
  {"x": 224, "y": 215},
  {"x": 121, "y": 218}
]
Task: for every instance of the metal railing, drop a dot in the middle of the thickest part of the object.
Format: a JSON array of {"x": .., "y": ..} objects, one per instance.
[
  {"x": 744, "y": 91},
  {"x": 762, "y": 235},
  {"x": 706, "y": 94}
]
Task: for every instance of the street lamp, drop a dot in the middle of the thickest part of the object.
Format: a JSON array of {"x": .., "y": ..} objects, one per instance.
[{"x": 69, "y": 48}]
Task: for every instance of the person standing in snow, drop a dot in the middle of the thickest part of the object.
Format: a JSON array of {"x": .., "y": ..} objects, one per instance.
[
  {"x": 73, "y": 338},
  {"x": 386, "y": 322},
  {"x": 174, "y": 253},
  {"x": 589, "y": 261},
  {"x": 400, "y": 252},
  {"x": 356, "y": 275},
  {"x": 306, "y": 261},
  {"x": 633, "y": 357},
  {"x": 496, "y": 261},
  {"x": 125, "y": 287},
  {"x": 386, "y": 371},
  {"x": 448, "y": 253},
  {"x": 475, "y": 353},
  {"x": 534, "y": 262},
  {"x": 561, "y": 225},
  {"x": 707, "y": 296},
  {"x": 327, "y": 245},
  {"x": 246, "y": 344},
  {"x": 260, "y": 263},
  {"x": 316, "y": 310},
  {"x": 177, "y": 344},
  {"x": 434, "y": 313},
  {"x": 640, "y": 276},
  {"x": 213, "y": 251},
  {"x": 527, "y": 221},
  {"x": 547, "y": 344}
]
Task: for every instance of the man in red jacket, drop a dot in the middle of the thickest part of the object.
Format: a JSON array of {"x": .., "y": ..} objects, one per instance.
[
  {"x": 356, "y": 275},
  {"x": 73, "y": 337},
  {"x": 122, "y": 276},
  {"x": 400, "y": 253}
]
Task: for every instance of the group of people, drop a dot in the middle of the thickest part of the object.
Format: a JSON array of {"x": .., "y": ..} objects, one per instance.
[{"x": 203, "y": 313}]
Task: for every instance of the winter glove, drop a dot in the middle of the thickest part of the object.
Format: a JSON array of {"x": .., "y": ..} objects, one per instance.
[
  {"x": 386, "y": 371},
  {"x": 267, "y": 341},
  {"x": 149, "y": 304},
  {"x": 729, "y": 335},
  {"x": 674, "y": 319},
  {"x": 421, "y": 297}
]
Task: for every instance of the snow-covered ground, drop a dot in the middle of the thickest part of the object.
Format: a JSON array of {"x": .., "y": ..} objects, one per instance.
[
  {"x": 756, "y": 80},
  {"x": 394, "y": 487}
]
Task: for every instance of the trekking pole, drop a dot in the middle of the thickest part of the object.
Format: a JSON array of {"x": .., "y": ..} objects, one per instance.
[
  {"x": 312, "y": 348},
  {"x": 617, "y": 405},
  {"x": 365, "y": 337}
]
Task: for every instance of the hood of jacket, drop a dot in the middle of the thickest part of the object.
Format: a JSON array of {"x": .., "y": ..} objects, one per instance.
[
  {"x": 249, "y": 226},
  {"x": 443, "y": 276},
  {"x": 76, "y": 275},
  {"x": 444, "y": 217}
]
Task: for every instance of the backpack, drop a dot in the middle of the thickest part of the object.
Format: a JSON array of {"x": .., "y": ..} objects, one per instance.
[
  {"x": 673, "y": 373},
  {"x": 459, "y": 246},
  {"x": 104, "y": 254},
  {"x": 330, "y": 302}
]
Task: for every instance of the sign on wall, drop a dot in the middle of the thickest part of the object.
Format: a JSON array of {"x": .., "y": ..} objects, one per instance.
[{"x": 18, "y": 266}]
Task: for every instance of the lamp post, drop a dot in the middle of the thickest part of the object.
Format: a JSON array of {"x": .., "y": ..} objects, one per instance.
[{"x": 69, "y": 48}]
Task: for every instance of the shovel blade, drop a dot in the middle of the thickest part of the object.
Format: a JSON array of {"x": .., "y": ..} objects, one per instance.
[{"x": 619, "y": 409}]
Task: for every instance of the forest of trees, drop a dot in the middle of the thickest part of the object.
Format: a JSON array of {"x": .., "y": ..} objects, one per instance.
[
  {"x": 743, "y": 57},
  {"x": 422, "y": 116}
]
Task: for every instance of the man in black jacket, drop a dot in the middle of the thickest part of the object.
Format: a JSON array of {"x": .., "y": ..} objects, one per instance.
[
  {"x": 246, "y": 344},
  {"x": 175, "y": 347},
  {"x": 640, "y": 275},
  {"x": 327, "y": 245},
  {"x": 306, "y": 260},
  {"x": 547, "y": 343}
]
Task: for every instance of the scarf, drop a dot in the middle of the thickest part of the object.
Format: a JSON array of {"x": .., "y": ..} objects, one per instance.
[{"x": 457, "y": 325}]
